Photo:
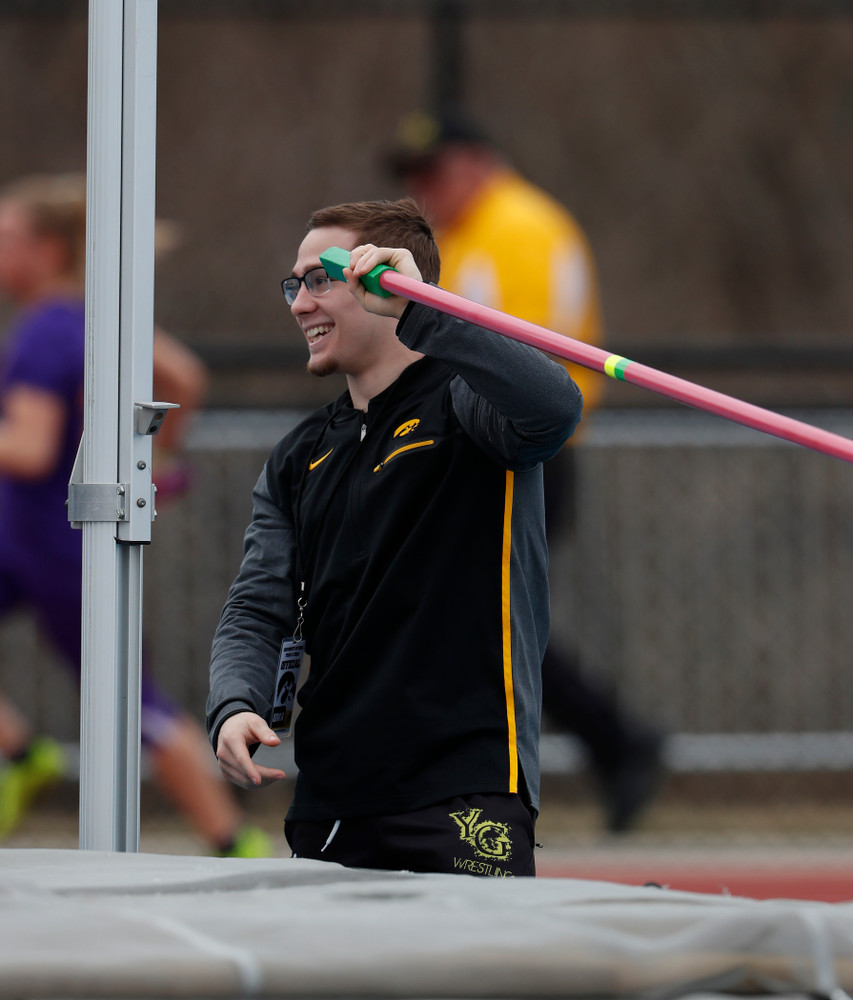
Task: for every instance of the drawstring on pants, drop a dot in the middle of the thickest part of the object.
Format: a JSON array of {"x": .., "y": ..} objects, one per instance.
[{"x": 332, "y": 835}]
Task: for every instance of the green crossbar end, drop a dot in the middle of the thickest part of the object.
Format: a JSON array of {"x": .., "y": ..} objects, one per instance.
[{"x": 335, "y": 259}]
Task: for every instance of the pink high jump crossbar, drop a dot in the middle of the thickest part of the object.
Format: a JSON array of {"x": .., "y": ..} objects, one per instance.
[{"x": 386, "y": 280}]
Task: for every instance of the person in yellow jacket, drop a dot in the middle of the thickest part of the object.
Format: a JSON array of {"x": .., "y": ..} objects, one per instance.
[{"x": 507, "y": 244}]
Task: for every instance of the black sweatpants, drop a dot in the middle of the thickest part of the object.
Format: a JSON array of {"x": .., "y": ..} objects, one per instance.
[{"x": 489, "y": 834}]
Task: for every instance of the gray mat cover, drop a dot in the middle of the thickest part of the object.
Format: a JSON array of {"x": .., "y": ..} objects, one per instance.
[{"x": 91, "y": 924}]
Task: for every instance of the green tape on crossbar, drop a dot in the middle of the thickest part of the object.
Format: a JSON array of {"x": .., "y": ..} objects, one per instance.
[{"x": 335, "y": 259}]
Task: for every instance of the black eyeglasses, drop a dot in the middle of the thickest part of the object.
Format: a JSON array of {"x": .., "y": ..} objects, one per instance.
[{"x": 316, "y": 281}]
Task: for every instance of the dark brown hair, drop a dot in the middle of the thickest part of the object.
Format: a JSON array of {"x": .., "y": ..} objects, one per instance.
[{"x": 386, "y": 224}]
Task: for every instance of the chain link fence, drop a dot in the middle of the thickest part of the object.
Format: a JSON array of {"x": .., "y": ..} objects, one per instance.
[
  {"x": 708, "y": 583},
  {"x": 711, "y": 572}
]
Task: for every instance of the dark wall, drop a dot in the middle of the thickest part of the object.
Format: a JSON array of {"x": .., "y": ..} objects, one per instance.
[{"x": 708, "y": 159}]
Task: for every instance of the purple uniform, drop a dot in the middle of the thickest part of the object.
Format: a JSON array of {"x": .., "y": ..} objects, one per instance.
[{"x": 40, "y": 553}]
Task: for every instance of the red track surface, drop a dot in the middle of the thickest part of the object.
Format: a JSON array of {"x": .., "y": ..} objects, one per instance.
[{"x": 830, "y": 883}]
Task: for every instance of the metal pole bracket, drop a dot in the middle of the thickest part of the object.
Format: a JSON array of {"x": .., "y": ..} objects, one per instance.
[
  {"x": 149, "y": 416},
  {"x": 96, "y": 502}
]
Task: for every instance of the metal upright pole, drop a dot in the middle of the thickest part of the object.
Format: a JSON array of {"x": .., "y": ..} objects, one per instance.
[{"x": 111, "y": 493}]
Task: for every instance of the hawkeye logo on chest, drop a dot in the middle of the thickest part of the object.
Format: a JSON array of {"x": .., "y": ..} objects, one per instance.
[{"x": 406, "y": 428}]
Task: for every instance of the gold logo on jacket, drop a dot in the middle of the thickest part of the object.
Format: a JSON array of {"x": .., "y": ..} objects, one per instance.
[
  {"x": 317, "y": 461},
  {"x": 406, "y": 428}
]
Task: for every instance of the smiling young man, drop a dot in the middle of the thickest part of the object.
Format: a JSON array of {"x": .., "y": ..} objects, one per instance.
[{"x": 400, "y": 531}]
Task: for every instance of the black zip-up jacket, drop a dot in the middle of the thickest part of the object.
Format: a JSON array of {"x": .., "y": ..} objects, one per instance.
[{"x": 418, "y": 531}]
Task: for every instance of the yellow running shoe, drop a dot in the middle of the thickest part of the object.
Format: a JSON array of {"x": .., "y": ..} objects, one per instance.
[
  {"x": 22, "y": 780},
  {"x": 249, "y": 842}
]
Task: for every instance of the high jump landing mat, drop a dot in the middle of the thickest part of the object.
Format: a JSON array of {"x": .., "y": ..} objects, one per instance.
[{"x": 100, "y": 925}]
